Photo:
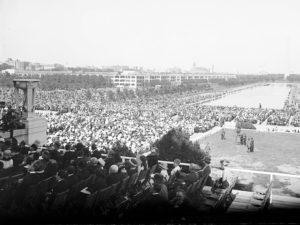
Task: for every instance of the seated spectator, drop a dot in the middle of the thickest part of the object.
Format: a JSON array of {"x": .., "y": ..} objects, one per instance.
[
  {"x": 55, "y": 154},
  {"x": 86, "y": 152},
  {"x": 45, "y": 158},
  {"x": 182, "y": 209},
  {"x": 176, "y": 167},
  {"x": 100, "y": 181},
  {"x": 2, "y": 144},
  {"x": 32, "y": 177},
  {"x": 159, "y": 180},
  {"x": 68, "y": 156},
  {"x": 24, "y": 150},
  {"x": 123, "y": 171},
  {"x": 153, "y": 208},
  {"x": 113, "y": 175},
  {"x": 117, "y": 158},
  {"x": 152, "y": 159},
  {"x": 71, "y": 177},
  {"x": 61, "y": 183},
  {"x": 144, "y": 164},
  {"x": 1, "y": 165},
  {"x": 51, "y": 168},
  {"x": 164, "y": 171},
  {"x": 95, "y": 152},
  {"x": 192, "y": 176},
  {"x": 80, "y": 157},
  {"x": 101, "y": 163},
  {"x": 7, "y": 159},
  {"x": 82, "y": 171},
  {"x": 93, "y": 165},
  {"x": 131, "y": 166},
  {"x": 110, "y": 160},
  {"x": 18, "y": 159}
]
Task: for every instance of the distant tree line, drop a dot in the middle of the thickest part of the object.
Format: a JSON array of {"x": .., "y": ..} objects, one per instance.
[
  {"x": 248, "y": 79},
  {"x": 294, "y": 78},
  {"x": 4, "y": 66},
  {"x": 75, "y": 82},
  {"x": 62, "y": 82}
]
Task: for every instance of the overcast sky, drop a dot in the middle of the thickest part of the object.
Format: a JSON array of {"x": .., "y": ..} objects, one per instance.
[{"x": 234, "y": 35}]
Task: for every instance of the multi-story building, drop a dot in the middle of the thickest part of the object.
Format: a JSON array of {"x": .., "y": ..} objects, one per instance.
[
  {"x": 128, "y": 79},
  {"x": 133, "y": 79}
]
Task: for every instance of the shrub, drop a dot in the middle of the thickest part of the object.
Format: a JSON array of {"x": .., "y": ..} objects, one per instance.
[{"x": 176, "y": 144}]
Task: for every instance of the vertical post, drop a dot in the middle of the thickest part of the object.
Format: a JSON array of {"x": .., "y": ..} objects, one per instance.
[
  {"x": 29, "y": 100},
  {"x": 33, "y": 102},
  {"x": 16, "y": 91}
]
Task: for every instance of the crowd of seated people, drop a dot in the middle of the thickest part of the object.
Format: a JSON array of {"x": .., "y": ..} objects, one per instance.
[
  {"x": 296, "y": 120},
  {"x": 252, "y": 115},
  {"x": 279, "y": 118},
  {"x": 136, "y": 122},
  {"x": 35, "y": 179}
]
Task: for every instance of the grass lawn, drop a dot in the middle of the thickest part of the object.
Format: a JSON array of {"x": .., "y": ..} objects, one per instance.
[{"x": 273, "y": 152}]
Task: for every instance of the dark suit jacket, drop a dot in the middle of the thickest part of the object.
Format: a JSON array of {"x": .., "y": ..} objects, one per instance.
[
  {"x": 153, "y": 208},
  {"x": 83, "y": 174},
  {"x": 97, "y": 154},
  {"x": 132, "y": 171},
  {"x": 60, "y": 186},
  {"x": 113, "y": 178},
  {"x": 108, "y": 163},
  {"x": 68, "y": 156},
  {"x": 51, "y": 170},
  {"x": 30, "y": 179},
  {"x": 12, "y": 171},
  {"x": 191, "y": 178},
  {"x": 99, "y": 184},
  {"x": 152, "y": 160},
  {"x": 72, "y": 180}
]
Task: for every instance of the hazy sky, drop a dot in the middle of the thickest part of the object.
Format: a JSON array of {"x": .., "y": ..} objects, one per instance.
[{"x": 234, "y": 35}]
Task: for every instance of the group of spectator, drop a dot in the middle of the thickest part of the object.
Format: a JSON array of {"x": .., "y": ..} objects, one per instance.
[
  {"x": 253, "y": 115},
  {"x": 296, "y": 120},
  {"x": 279, "y": 118},
  {"x": 68, "y": 165}
]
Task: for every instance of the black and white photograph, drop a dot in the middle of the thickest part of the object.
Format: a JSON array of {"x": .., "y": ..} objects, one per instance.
[{"x": 149, "y": 111}]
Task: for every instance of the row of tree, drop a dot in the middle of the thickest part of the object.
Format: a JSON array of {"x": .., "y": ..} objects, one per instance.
[
  {"x": 62, "y": 82},
  {"x": 293, "y": 78},
  {"x": 75, "y": 82}
]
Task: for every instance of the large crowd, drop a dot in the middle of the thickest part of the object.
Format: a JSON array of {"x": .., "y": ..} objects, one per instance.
[
  {"x": 84, "y": 129},
  {"x": 88, "y": 116}
]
